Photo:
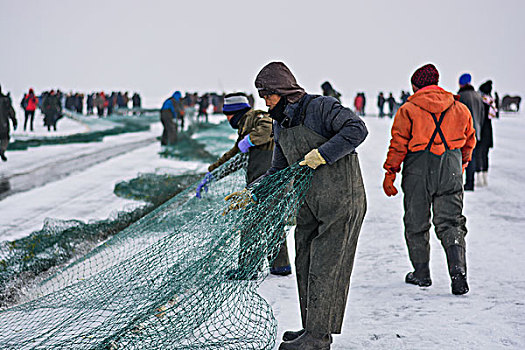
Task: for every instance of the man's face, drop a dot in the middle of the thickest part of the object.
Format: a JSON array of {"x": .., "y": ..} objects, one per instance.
[{"x": 271, "y": 100}]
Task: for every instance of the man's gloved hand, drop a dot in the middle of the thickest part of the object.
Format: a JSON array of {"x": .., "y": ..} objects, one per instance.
[
  {"x": 464, "y": 166},
  {"x": 313, "y": 159},
  {"x": 204, "y": 184},
  {"x": 239, "y": 200},
  {"x": 388, "y": 184},
  {"x": 245, "y": 144}
]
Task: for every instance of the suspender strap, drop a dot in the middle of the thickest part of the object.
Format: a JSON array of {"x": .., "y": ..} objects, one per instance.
[{"x": 438, "y": 130}]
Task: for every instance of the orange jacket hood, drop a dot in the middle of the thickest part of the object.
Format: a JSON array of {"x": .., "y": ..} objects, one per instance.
[{"x": 432, "y": 99}]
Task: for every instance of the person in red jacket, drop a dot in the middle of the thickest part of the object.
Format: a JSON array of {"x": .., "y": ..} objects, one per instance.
[
  {"x": 29, "y": 103},
  {"x": 433, "y": 136}
]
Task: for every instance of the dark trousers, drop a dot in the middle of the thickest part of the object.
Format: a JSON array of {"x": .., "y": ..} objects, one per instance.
[
  {"x": 432, "y": 183},
  {"x": 169, "y": 134},
  {"x": 471, "y": 169},
  {"x": 325, "y": 252},
  {"x": 482, "y": 161},
  {"x": 29, "y": 115}
]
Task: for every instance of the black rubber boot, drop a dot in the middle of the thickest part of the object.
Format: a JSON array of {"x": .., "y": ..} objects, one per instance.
[
  {"x": 420, "y": 276},
  {"x": 308, "y": 341},
  {"x": 291, "y": 335},
  {"x": 457, "y": 267}
]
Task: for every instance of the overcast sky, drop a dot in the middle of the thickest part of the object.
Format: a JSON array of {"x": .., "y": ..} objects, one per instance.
[{"x": 156, "y": 47}]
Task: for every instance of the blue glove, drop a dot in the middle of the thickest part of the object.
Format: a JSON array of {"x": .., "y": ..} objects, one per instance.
[
  {"x": 204, "y": 184},
  {"x": 245, "y": 144}
]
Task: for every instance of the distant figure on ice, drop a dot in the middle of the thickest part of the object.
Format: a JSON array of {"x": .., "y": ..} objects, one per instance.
[
  {"x": 433, "y": 137},
  {"x": 404, "y": 96},
  {"x": 486, "y": 142},
  {"x": 204, "y": 103},
  {"x": 137, "y": 103},
  {"x": 392, "y": 105},
  {"x": 328, "y": 90},
  {"x": 6, "y": 112},
  {"x": 100, "y": 102},
  {"x": 170, "y": 112},
  {"x": 381, "y": 104},
  {"x": 359, "y": 104},
  {"x": 52, "y": 110},
  {"x": 323, "y": 135},
  {"x": 254, "y": 128},
  {"x": 29, "y": 104},
  {"x": 472, "y": 99}
]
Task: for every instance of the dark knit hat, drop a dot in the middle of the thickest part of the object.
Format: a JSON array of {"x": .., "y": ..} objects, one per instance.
[
  {"x": 425, "y": 76},
  {"x": 486, "y": 87},
  {"x": 235, "y": 102}
]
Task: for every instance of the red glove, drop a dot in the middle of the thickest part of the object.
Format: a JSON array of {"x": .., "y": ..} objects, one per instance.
[
  {"x": 388, "y": 184},
  {"x": 464, "y": 166}
]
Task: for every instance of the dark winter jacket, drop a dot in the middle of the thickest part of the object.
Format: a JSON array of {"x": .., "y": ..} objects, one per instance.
[
  {"x": 6, "y": 112},
  {"x": 327, "y": 117},
  {"x": 472, "y": 99}
]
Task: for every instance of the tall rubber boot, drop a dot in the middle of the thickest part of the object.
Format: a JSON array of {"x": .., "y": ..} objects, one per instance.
[
  {"x": 420, "y": 276},
  {"x": 457, "y": 267}
]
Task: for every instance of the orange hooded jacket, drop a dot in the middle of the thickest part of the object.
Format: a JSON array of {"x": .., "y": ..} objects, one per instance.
[{"x": 413, "y": 127}]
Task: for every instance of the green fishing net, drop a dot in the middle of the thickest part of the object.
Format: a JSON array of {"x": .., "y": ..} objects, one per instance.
[
  {"x": 184, "y": 276},
  {"x": 98, "y": 128}
]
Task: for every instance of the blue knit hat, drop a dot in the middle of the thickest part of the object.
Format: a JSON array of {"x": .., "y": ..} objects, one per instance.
[
  {"x": 235, "y": 102},
  {"x": 465, "y": 79}
]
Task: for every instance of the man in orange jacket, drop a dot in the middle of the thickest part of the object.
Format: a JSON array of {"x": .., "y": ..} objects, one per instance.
[{"x": 433, "y": 136}]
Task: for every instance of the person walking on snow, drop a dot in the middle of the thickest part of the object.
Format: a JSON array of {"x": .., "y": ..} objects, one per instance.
[
  {"x": 323, "y": 135},
  {"x": 254, "y": 128},
  {"x": 487, "y": 139},
  {"x": 6, "y": 112},
  {"x": 29, "y": 103},
  {"x": 472, "y": 99},
  {"x": 433, "y": 137}
]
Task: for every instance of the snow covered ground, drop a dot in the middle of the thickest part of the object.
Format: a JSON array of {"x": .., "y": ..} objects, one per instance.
[{"x": 383, "y": 312}]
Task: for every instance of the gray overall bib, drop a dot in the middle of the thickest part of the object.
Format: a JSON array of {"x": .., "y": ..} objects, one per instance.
[
  {"x": 328, "y": 226},
  {"x": 433, "y": 181}
]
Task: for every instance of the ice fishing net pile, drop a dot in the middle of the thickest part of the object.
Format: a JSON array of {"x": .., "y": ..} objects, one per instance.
[
  {"x": 98, "y": 129},
  {"x": 27, "y": 260},
  {"x": 183, "y": 277}
]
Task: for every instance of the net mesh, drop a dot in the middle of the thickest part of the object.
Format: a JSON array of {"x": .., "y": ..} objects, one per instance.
[{"x": 184, "y": 276}]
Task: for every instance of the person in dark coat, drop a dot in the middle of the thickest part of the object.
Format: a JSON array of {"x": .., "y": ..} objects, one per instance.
[
  {"x": 6, "y": 112},
  {"x": 381, "y": 104},
  {"x": 487, "y": 140},
  {"x": 136, "y": 100},
  {"x": 328, "y": 90},
  {"x": 392, "y": 104},
  {"x": 169, "y": 114},
  {"x": 89, "y": 104},
  {"x": 323, "y": 135},
  {"x": 255, "y": 138},
  {"x": 472, "y": 99},
  {"x": 433, "y": 137},
  {"x": 52, "y": 110}
]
